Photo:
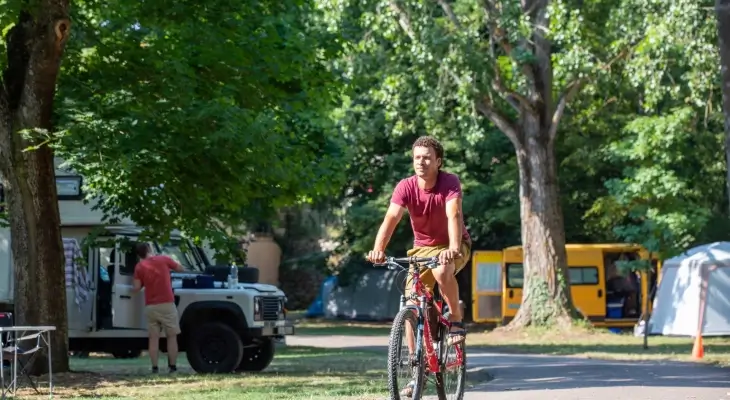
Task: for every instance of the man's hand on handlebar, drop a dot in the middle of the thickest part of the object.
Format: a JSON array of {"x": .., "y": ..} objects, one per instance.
[
  {"x": 376, "y": 256},
  {"x": 448, "y": 255}
]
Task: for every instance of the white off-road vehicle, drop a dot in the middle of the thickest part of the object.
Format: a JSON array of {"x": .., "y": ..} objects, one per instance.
[{"x": 224, "y": 328}]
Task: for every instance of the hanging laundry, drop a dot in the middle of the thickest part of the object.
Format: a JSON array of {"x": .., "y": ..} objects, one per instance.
[{"x": 76, "y": 274}]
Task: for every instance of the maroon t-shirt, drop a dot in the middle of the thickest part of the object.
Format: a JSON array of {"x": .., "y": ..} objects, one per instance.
[{"x": 427, "y": 208}]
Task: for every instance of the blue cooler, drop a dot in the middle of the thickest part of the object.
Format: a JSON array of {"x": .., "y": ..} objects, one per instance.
[{"x": 614, "y": 311}]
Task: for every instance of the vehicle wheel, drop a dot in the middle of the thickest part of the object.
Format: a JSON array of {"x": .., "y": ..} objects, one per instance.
[
  {"x": 257, "y": 358},
  {"x": 248, "y": 275},
  {"x": 126, "y": 354},
  {"x": 214, "y": 347}
]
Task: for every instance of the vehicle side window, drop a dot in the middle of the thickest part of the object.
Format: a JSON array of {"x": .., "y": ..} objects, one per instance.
[
  {"x": 583, "y": 275},
  {"x": 515, "y": 276},
  {"x": 129, "y": 261},
  {"x": 129, "y": 258},
  {"x": 578, "y": 275}
]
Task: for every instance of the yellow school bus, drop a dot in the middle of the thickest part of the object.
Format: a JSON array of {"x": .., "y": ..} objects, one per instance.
[{"x": 599, "y": 291}]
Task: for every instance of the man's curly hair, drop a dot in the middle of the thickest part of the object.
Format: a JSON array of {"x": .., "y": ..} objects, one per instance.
[{"x": 429, "y": 141}]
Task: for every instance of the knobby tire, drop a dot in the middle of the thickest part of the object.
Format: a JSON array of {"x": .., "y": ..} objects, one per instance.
[{"x": 397, "y": 340}]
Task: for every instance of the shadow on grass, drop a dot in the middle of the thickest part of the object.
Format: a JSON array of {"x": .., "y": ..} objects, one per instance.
[
  {"x": 338, "y": 327},
  {"x": 296, "y": 373},
  {"x": 343, "y": 330}
]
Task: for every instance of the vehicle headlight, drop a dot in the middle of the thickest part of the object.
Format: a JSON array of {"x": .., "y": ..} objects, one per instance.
[
  {"x": 282, "y": 308},
  {"x": 257, "y": 315}
]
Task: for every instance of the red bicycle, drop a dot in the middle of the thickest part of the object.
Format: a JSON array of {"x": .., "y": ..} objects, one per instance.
[{"x": 431, "y": 355}]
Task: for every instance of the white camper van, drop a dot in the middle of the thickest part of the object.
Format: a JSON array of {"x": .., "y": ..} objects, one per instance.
[{"x": 225, "y": 327}]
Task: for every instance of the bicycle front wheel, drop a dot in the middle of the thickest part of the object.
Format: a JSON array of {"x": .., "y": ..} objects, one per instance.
[{"x": 406, "y": 370}]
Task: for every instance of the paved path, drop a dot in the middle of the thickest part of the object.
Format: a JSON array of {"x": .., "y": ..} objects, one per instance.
[{"x": 528, "y": 377}]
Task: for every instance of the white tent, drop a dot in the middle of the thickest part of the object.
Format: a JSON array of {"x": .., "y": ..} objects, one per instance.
[{"x": 694, "y": 293}]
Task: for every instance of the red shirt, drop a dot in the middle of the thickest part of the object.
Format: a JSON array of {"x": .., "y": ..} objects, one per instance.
[
  {"x": 427, "y": 208},
  {"x": 154, "y": 273}
]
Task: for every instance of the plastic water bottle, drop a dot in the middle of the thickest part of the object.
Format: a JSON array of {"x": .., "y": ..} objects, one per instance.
[{"x": 233, "y": 276}]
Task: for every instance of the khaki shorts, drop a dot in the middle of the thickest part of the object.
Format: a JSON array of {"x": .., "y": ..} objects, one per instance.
[
  {"x": 162, "y": 316},
  {"x": 427, "y": 277}
]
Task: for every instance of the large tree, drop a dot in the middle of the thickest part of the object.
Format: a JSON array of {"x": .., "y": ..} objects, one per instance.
[{"x": 34, "y": 48}]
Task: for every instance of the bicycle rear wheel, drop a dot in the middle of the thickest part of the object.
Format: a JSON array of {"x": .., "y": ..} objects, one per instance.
[
  {"x": 451, "y": 378},
  {"x": 404, "y": 369}
]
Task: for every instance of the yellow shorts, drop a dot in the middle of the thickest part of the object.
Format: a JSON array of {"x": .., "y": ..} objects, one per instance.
[
  {"x": 427, "y": 277},
  {"x": 162, "y": 316}
]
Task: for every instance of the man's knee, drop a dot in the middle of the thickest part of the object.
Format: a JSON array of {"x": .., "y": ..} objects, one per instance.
[{"x": 444, "y": 272}]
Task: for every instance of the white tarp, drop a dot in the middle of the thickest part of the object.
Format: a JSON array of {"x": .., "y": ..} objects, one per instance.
[{"x": 694, "y": 293}]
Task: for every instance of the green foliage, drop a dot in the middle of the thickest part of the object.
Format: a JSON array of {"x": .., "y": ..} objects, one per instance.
[
  {"x": 199, "y": 117},
  {"x": 670, "y": 193},
  {"x": 639, "y": 150}
]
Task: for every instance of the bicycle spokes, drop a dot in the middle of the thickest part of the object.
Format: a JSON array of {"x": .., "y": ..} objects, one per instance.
[{"x": 405, "y": 371}]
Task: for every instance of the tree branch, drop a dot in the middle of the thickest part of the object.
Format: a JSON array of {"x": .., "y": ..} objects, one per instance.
[
  {"x": 502, "y": 123},
  {"x": 500, "y": 36},
  {"x": 516, "y": 100},
  {"x": 565, "y": 98},
  {"x": 403, "y": 19},
  {"x": 449, "y": 13},
  {"x": 541, "y": 69},
  {"x": 571, "y": 90}
]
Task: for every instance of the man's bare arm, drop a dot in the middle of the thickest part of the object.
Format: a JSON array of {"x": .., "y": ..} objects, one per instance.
[
  {"x": 392, "y": 217},
  {"x": 453, "y": 213},
  {"x": 136, "y": 285},
  {"x": 174, "y": 265}
]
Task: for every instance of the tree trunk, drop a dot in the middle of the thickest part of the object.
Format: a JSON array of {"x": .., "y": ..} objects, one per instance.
[
  {"x": 35, "y": 47},
  {"x": 722, "y": 13},
  {"x": 546, "y": 298}
]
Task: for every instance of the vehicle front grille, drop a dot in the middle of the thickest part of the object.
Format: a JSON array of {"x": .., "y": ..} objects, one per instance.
[{"x": 270, "y": 307}]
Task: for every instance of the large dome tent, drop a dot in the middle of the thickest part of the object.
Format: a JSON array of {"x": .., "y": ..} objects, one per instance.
[{"x": 693, "y": 296}]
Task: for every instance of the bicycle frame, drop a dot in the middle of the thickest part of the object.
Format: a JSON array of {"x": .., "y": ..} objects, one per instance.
[{"x": 424, "y": 297}]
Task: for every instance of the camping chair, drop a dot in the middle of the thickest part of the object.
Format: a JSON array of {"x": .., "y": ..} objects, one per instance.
[{"x": 20, "y": 359}]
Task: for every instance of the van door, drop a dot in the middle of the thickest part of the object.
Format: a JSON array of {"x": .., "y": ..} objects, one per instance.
[
  {"x": 487, "y": 286},
  {"x": 587, "y": 291},
  {"x": 512, "y": 297},
  {"x": 587, "y": 282},
  {"x": 127, "y": 307}
]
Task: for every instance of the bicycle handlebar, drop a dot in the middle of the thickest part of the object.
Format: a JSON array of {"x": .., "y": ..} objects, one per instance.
[{"x": 393, "y": 262}]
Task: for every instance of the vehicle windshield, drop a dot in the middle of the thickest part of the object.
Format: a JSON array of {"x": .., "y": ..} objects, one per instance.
[{"x": 186, "y": 257}]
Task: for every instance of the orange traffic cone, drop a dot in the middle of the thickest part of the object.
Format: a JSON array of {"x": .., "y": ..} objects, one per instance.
[{"x": 698, "y": 350}]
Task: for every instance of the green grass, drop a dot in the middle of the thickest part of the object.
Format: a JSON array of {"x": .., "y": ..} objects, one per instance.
[
  {"x": 318, "y": 327},
  {"x": 297, "y": 373}
]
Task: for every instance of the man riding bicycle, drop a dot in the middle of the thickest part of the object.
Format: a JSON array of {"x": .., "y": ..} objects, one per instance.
[{"x": 433, "y": 199}]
